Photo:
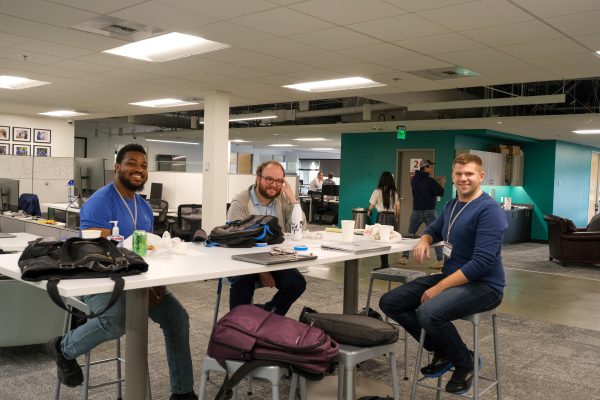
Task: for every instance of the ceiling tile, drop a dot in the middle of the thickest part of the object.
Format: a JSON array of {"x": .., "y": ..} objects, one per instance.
[
  {"x": 162, "y": 16},
  {"x": 577, "y": 24},
  {"x": 130, "y": 74},
  {"x": 314, "y": 74},
  {"x": 228, "y": 33},
  {"x": 58, "y": 69},
  {"x": 522, "y": 32},
  {"x": 100, "y": 7},
  {"x": 345, "y": 12},
  {"x": 440, "y": 44},
  {"x": 8, "y": 40},
  {"x": 475, "y": 57},
  {"x": 545, "y": 8},
  {"x": 32, "y": 57},
  {"x": 87, "y": 67},
  {"x": 280, "y": 47},
  {"x": 399, "y": 28},
  {"x": 43, "y": 47},
  {"x": 476, "y": 15},
  {"x": 324, "y": 59},
  {"x": 544, "y": 49},
  {"x": 335, "y": 39},
  {"x": 422, "y": 5},
  {"x": 22, "y": 27},
  {"x": 221, "y": 9},
  {"x": 378, "y": 52},
  {"x": 415, "y": 63},
  {"x": 281, "y": 22},
  {"x": 112, "y": 60},
  {"x": 84, "y": 40},
  {"x": 574, "y": 66},
  {"x": 591, "y": 41},
  {"x": 277, "y": 65},
  {"x": 364, "y": 69},
  {"x": 45, "y": 12}
]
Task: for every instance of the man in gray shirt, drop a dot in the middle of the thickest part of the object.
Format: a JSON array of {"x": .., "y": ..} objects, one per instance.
[{"x": 270, "y": 195}]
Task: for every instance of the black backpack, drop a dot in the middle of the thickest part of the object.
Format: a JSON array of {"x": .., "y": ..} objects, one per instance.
[{"x": 247, "y": 232}]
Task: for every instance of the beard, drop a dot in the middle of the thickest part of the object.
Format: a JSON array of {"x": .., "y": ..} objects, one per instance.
[
  {"x": 131, "y": 186},
  {"x": 263, "y": 192}
]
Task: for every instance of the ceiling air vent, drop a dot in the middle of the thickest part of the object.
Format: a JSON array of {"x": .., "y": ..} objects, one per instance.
[
  {"x": 444, "y": 73},
  {"x": 118, "y": 28}
]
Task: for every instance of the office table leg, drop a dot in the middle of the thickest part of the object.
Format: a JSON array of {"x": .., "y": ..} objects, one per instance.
[
  {"x": 136, "y": 348},
  {"x": 350, "y": 287}
]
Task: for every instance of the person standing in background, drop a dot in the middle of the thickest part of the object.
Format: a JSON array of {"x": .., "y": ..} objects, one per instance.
[
  {"x": 317, "y": 183},
  {"x": 425, "y": 191},
  {"x": 329, "y": 180},
  {"x": 387, "y": 202}
]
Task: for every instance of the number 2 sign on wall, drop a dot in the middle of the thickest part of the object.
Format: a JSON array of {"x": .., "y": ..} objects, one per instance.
[{"x": 414, "y": 164}]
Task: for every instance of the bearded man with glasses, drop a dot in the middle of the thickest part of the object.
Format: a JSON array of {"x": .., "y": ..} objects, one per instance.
[{"x": 270, "y": 195}]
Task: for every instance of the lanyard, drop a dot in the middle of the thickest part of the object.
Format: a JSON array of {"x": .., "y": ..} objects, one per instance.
[
  {"x": 451, "y": 221},
  {"x": 133, "y": 218}
]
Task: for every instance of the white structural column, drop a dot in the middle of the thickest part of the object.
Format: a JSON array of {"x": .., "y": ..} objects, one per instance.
[{"x": 215, "y": 159}]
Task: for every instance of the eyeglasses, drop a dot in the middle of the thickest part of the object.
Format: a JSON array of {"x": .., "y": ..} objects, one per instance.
[
  {"x": 270, "y": 180},
  {"x": 282, "y": 251}
]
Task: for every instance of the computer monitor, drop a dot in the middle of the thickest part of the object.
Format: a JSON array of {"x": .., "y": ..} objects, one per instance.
[
  {"x": 156, "y": 191},
  {"x": 88, "y": 175},
  {"x": 330, "y": 190},
  {"x": 9, "y": 194}
]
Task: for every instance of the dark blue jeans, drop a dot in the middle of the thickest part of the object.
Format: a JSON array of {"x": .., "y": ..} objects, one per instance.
[
  {"x": 403, "y": 305},
  {"x": 289, "y": 282},
  {"x": 423, "y": 217}
]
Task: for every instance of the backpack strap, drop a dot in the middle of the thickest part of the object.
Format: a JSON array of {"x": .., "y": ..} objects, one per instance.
[
  {"x": 226, "y": 390},
  {"x": 52, "y": 289}
]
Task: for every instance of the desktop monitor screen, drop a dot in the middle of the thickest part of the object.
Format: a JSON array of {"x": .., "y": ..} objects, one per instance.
[
  {"x": 330, "y": 190},
  {"x": 9, "y": 198},
  {"x": 156, "y": 191},
  {"x": 88, "y": 175}
]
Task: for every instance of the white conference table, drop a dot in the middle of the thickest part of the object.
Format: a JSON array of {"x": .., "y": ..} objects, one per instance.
[{"x": 207, "y": 263}]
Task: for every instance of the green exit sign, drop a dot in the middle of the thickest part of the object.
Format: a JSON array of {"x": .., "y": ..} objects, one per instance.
[{"x": 401, "y": 133}]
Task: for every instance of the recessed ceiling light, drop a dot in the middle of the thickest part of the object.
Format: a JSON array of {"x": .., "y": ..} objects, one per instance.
[
  {"x": 167, "y": 47},
  {"x": 171, "y": 141},
  {"x": 309, "y": 139},
  {"x": 282, "y": 145},
  {"x": 18, "y": 83},
  {"x": 587, "y": 131},
  {"x": 240, "y": 141},
  {"x": 355, "y": 82},
  {"x": 162, "y": 103},
  {"x": 322, "y": 148},
  {"x": 63, "y": 113}
]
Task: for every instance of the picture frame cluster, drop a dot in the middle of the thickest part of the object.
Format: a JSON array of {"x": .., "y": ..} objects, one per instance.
[{"x": 17, "y": 141}]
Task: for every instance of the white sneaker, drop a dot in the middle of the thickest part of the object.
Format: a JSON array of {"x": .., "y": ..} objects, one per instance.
[{"x": 403, "y": 261}]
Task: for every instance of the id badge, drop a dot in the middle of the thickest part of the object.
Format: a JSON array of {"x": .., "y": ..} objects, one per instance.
[{"x": 447, "y": 249}]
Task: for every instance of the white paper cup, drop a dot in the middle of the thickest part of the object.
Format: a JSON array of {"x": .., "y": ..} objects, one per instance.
[
  {"x": 90, "y": 234},
  {"x": 385, "y": 232},
  {"x": 347, "y": 230}
]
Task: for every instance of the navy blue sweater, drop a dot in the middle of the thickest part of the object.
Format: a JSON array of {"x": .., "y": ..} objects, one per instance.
[
  {"x": 476, "y": 238},
  {"x": 425, "y": 189}
]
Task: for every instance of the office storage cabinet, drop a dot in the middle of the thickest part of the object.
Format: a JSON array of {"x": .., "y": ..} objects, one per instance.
[
  {"x": 519, "y": 225},
  {"x": 500, "y": 169}
]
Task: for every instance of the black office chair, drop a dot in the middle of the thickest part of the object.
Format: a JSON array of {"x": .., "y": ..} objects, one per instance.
[
  {"x": 161, "y": 223},
  {"x": 189, "y": 220},
  {"x": 318, "y": 207}
]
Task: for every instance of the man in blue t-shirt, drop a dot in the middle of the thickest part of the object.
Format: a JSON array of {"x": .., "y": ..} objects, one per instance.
[
  {"x": 472, "y": 279},
  {"x": 118, "y": 201}
]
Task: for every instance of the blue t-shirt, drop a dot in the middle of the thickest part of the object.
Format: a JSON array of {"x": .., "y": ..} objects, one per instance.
[
  {"x": 476, "y": 238},
  {"x": 105, "y": 205}
]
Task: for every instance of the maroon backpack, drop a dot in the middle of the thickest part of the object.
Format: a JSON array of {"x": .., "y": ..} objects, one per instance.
[{"x": 260, "y": 338}]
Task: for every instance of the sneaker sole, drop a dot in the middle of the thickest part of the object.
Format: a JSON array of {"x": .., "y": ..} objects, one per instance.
[{"x": 470, "y": 380}]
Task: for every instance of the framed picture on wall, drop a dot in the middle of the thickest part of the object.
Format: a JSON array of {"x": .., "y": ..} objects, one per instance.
[
  {"x": 41, "y": 151},
  {"x": 21, "y": 134},
  {"x": 5, "y": 133},
  {"x": 21, "y": 149},
  {"x": 4, "y": 149},
  {"x": 42, "y": 135}
]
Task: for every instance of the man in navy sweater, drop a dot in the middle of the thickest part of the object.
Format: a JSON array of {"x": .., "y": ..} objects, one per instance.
[{"x": 472, "y": 279}]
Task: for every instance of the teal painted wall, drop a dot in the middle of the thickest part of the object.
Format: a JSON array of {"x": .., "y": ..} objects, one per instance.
[{"x": 572, "y": 181}]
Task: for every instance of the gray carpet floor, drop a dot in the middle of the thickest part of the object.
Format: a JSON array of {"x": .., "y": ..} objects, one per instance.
[{"x": 538, "y": 360}]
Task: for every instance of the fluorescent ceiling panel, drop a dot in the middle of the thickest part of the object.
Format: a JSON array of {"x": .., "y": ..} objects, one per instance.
[
  {"x": 171, "y": 141},
  {"x": 309, "y": 139},
  {"x": 163, "y": 103},
  {"x": 282, "y": 145},
  {"x": 167, "y": 47},
  {"x": 240, "y": 141},
  {"x": 331, "y": 85},
  {"x": 63, "y": 113},
  {"x": 18, "y": 83},
  {"x": 587, "y": 131}
]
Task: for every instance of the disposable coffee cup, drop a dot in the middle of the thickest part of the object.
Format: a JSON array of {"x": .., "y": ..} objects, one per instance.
[
  {"x": 385, "y": 233},
  {"x": 347, "y": 230}
]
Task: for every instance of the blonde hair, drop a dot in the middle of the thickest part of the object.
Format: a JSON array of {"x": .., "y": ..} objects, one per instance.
[{"x": 466, "y": 158}]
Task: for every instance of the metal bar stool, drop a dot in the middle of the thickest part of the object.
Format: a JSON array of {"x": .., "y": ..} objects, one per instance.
[
  {"x": 474, "y": 319},
  {"x": 402, "y": 276},
  {"x": 71, "y": 303}
]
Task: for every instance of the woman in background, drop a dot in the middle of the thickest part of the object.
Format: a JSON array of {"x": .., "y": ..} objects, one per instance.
[{"x": 387, "y": 202}]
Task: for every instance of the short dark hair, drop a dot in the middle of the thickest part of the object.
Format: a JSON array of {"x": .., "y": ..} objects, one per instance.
[
  {"x": 127, "y": 148},
  {"x": 264, "y": 165}
]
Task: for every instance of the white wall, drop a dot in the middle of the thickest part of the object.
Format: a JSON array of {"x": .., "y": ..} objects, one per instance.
[{"x": 62, "y": 141}]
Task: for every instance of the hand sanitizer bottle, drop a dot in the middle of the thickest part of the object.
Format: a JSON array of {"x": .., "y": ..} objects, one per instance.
[
  {"x": 114, "y": 236},
  {"x": 297, "y": 222}
]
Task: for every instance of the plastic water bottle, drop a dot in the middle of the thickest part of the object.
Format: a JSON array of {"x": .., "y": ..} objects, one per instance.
[
  {"x": 70, "y": 189},
  {"x": 297, "y": 222}
]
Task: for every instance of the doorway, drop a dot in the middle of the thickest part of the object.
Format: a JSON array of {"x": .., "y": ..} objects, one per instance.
[
  {"x": 408, "y": 163},
  {"x": 594, "y": 201}
]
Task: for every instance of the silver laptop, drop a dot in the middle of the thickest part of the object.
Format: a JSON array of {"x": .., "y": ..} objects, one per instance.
[
  {"x": 357, "y": 247},
  {"x": 265, "y": 258}
]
